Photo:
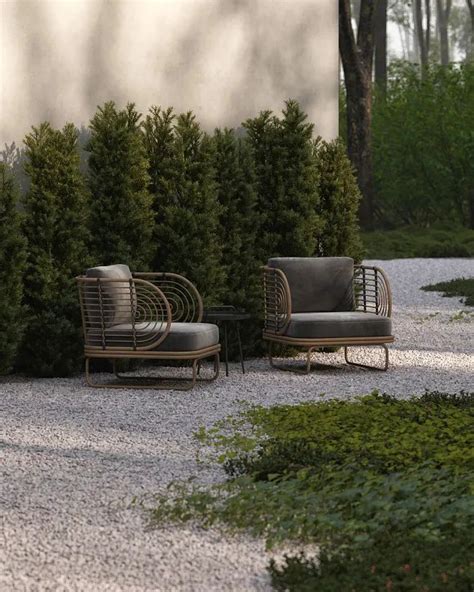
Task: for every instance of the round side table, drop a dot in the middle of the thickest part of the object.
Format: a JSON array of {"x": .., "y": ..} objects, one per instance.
[{"x": 224, "y": 316}]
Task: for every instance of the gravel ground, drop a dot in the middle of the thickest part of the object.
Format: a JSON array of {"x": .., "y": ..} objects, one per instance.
[{"x": 73, "y": 457}]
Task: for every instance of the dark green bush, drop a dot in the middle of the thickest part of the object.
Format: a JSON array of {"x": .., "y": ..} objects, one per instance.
[
  {"x": 185, "y": 201},
  {"x": 12, "y": 266},
  {"x": 287, "y": 182},
  {"x": 380, "y": 485},
  {"x": 56, "y": 210},
  {"x": 121, "y": 207},
  {"x": 339, "y": 198},
  {"x": 423, "y": 146},
  {"x": 391, "y": 563},
  {"x": 458, "y": 287}
]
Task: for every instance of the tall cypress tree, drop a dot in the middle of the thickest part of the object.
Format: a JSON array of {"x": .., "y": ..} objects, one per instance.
[
  {"x": 55, "y": 225},
  {"x": 185, "y": 202},
  {"x": 121, "y": 210},
  {"x": 164, "y": 170},
  {"x": 12, "y": 264},
  {"x": 239, "y": 220},
  {"x": 339, "y": 202},
  {"x": 287, "y": 181},
  {"x": 239, "y": 228}
]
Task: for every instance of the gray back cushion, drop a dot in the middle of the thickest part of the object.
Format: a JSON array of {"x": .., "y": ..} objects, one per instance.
[
  {"x": 318, "y": 284},
  {"x": 117, "y": 298}
]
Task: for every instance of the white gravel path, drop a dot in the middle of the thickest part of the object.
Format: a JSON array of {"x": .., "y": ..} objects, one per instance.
[{"x": 72, "y": 458}]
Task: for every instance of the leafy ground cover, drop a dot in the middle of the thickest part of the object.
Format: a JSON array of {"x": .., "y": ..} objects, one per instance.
[
  {"x": 419, "y": 242},
  {"x": 383, "y": 486},
  {"x": 458, "y": 287}
]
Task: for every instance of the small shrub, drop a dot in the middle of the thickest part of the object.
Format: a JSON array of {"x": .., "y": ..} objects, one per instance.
[{"x": 458, "y": 287}]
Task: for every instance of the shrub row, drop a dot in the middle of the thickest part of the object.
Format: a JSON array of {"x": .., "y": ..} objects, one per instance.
[{"x": 159, "y": 193}]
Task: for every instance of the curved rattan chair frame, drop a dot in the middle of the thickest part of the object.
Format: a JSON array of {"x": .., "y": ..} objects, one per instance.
[
  {"x": 152, "y": 301},
  {"x": 372, "y": 293}
]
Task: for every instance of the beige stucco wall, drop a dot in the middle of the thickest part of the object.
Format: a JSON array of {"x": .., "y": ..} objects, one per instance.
[{"x": 223, "y": 59}]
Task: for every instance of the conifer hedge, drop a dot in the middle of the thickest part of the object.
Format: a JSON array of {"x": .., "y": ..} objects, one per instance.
[
  {"x": 55, "y": 225},
  {"x": 162, "y": 194},
  {"x": 12, "y": 263}
]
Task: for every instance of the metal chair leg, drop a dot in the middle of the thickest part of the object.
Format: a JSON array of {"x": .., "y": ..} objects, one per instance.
[
  {"x": 240, "y": 348},
  {"x": 226, "y": 350},
  {"x": 291, "y": 367},
  {"x": 386, "y": 363}
]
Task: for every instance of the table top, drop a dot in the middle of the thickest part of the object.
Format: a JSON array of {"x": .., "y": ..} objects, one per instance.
[{"x": 225, "y": 313}]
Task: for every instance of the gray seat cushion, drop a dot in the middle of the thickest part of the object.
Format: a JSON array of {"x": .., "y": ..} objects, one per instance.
[
  {"x": 182, "y": 336},
  {"x": 117, "y": 298},
  {"x": 324, "y": 325},
  {"x": 318, "y": 284}
]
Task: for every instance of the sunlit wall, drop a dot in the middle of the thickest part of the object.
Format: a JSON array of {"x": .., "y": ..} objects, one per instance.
[{"x": 224, "y": 59}]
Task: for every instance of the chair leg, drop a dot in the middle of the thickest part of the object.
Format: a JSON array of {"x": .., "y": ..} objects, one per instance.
[
  {"x": 291, "y": 367},
  {"x": 386, "y": 363},
  {"x": 156, "y": 382}
]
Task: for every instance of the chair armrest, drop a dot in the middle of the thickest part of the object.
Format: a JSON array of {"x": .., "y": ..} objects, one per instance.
[
  {"x": 184, "y": 298},
  {"x": 277, "y": 300},
  {"x": 112, "y": 308},
  {"x": 372, "y": 291}
]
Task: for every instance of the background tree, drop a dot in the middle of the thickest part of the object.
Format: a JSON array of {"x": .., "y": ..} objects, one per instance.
[
  {"x": 380, "y": 40},
  {"x": 422, "y": 19},
  {"x": 287, "y": 183},
  {"x": 121, "y": 207},
  {"x": 357, "y": 60},
  {"x": 339, "y": 202},
  {"x": 55, "y": 225},
  {"x": 443, "y": 11},
  {"x": 12, "y": 264},
  {"x": 470, "y": 5},
  {"x": 186, "y": 205}
]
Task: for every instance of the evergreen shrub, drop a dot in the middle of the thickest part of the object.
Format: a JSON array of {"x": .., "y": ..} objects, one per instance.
[
  {"x": 186, "y": 207},
  {"x": 12, "y": 264},
  {"x": 121, "y": 220},
  {"x": 339, "y": 198},
  {"x": 56, "y": 208},
  {"x": 287, "y": 182}
]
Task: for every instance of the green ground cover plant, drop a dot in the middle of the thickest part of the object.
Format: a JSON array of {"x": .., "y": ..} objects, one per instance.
[
  {"x": 408, "y": 242},
  {"x": 458, "y": 287},
  {"x": 381, "y": 485}
]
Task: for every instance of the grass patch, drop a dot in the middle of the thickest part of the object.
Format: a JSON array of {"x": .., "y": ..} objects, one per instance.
[
  {"x": 411, "y": 242},
  {"x": 383, "y": 486},
  {"x": 459, "y": 287}
]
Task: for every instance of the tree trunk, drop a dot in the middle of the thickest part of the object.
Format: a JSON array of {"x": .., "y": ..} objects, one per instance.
[
  {"x": 423, "y": 33},
  {"x": 380, "y": 38},
  {"x": 443, "y": 13},
  {"x": 357, "y": 61}
]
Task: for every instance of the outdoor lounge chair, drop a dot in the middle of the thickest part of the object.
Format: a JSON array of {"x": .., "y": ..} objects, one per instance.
[
  {"x": 317, "y": 302},
  {"x": 154, "y": 316}
]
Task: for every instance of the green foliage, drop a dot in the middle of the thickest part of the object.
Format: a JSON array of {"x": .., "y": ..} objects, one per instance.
[
  {"x": 55, "y": 225},
  {"x": 239, "y": 228},
  {"x": 423, "y": 146},
  {"x": 388, "y": 564},
  {"x": 419, "y": 242},
  {"x": 121, "y": 218},
  {"x": 185, "y": 201},
  {"x": 459, "y": 287},
  {"x": 12, "y": 264},
  {"x": 287, "y": 182},
  {"x": 339, "y": 197},
  {"x": 356, "y": 478}
]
